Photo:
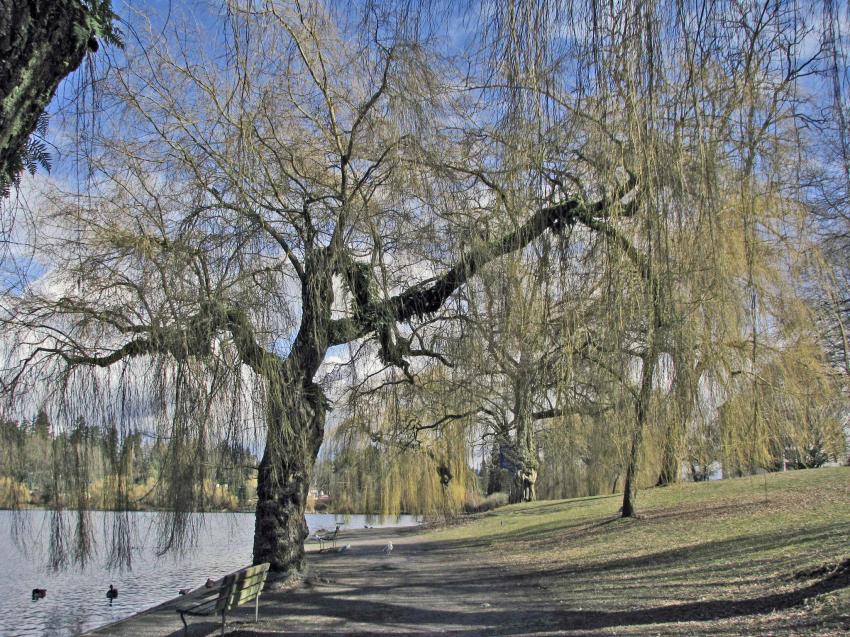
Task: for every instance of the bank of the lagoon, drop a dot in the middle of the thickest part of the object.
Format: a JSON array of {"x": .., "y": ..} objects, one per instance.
[
  {"x": 765, "y": 555},
  {"x": 76, "y": 599}
]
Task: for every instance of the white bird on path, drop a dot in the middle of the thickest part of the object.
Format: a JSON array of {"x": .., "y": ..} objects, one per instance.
[{"x": 388, "y": 548}]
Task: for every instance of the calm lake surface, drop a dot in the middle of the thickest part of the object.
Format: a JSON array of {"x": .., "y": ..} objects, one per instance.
[{"x": 76, "y": 599}]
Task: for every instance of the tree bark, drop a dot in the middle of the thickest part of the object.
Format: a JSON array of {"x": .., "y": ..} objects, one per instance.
[
  {"x": 669, "y": 472},
  {"x": 296, "y": 425},
  {"x": 296, "y": 428},
  {"x": 523, "y": 448},
  {"x": 494, "y": 478},
  {"x": 41, "y": 42},
  {"x": 670, "y": 464},
  {"x": 524, "y": 474},
  {"x": 524, "y": 487}
]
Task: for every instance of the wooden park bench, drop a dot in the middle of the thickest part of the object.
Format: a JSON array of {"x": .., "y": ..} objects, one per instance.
[
  {"x": 328, "y": 538},
  {"x": 232, "y": 591}
]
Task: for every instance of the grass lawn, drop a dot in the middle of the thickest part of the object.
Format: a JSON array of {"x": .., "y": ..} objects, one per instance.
[{"x": 766, "y": 554}]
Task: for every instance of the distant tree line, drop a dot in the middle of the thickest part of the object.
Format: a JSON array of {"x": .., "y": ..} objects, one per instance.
[{"x": 80, "y": 468}]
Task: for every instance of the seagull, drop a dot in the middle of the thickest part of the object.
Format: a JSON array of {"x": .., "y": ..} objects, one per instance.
[{"x": 388, "y": 548}]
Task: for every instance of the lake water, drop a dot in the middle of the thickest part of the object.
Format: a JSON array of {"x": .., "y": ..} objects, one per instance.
[{"x": 76, "y": 599}]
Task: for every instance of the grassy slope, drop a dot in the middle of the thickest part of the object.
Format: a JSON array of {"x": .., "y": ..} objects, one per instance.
[{"x": 753, "y": 555}]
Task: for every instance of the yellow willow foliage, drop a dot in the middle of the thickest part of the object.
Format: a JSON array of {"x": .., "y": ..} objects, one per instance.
[
  {"x": 13, "y": 494},
  {"x": 144, "y": 494},
  {"x": 582, "y": 456},
  {"x": 585, "y": 456},
  {"x": 388, "y": 479},
  {"x": 785, "y": 412},
  {"x": 219, "y": 496},
  {"x": 110, "y": 492}
]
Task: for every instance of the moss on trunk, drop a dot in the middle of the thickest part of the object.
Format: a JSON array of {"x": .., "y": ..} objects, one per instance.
[{"x": 41, "y": 42}]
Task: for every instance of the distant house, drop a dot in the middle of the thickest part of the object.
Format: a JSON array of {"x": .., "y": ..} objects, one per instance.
[{"x": 318, "y": 500}]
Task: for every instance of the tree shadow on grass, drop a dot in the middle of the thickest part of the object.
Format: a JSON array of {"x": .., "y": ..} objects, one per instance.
[
  {"x": 709, "y": 610},
  {"x": 737, "y": 551},
  {"x": 356, "y": 611}
]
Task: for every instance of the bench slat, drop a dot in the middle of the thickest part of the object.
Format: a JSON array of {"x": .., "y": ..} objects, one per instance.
[
  {"x": 251, "y": 571},
  {"x": 200, "y": 608},
  {"x": 235, "y": 589},
  {"x": 225, "y": 592},
  {"x": 248, "y": 583},
  {"x": 245, "y": 595}
]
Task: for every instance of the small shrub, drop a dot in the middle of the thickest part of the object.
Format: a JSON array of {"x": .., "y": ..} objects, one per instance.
[{"x": 478, "y": 505}]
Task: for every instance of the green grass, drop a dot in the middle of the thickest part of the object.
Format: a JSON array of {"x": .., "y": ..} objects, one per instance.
[{"x": 730, "y": 557}]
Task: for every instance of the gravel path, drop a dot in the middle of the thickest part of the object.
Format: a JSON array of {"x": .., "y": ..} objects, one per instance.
[{"x": 420, "y": 587}]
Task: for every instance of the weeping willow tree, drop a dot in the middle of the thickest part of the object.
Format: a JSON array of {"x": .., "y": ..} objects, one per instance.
[
  {"x": 510, "y": 357},
  {"x": 337, "y": 178},
  {"x": 701, "y": 267},
  {"x": 828, "y": 173},
  {"x": 231, "y": 201}
]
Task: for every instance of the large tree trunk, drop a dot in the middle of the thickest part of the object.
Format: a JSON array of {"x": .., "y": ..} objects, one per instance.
[
  {"x": 524, "y": 487},
  {"x": 41, "y": 41},
  {"x": 524, "y": 474},
  {"x": 524, "y": 457},
  {"x": 495, "y": 478},
  {"x": 296, "y": 425},
  {"x": 294, "y": 437},
  {"x": 514, "y": 469}
]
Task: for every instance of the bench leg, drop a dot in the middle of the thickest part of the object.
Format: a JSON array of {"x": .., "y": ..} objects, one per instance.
[
  {"x": 185, "y": 625},
  {"x": 257, "y": 608},
  {"x": 222, "y": 623}
]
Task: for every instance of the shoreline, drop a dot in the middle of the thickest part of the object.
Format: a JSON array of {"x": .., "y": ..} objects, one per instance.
[
  {"x": 162, "y": 619},
  {"x": 700, "y": 560}
]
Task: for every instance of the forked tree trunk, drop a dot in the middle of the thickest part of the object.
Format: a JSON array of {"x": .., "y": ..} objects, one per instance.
[
  {"x": 294, "y": 436},
  {"x": 296, "y": 425}
]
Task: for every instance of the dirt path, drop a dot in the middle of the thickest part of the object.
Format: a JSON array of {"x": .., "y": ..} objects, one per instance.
[
  {"x": 420, "y": 587},
  {"x": 428, "y": 587}
]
